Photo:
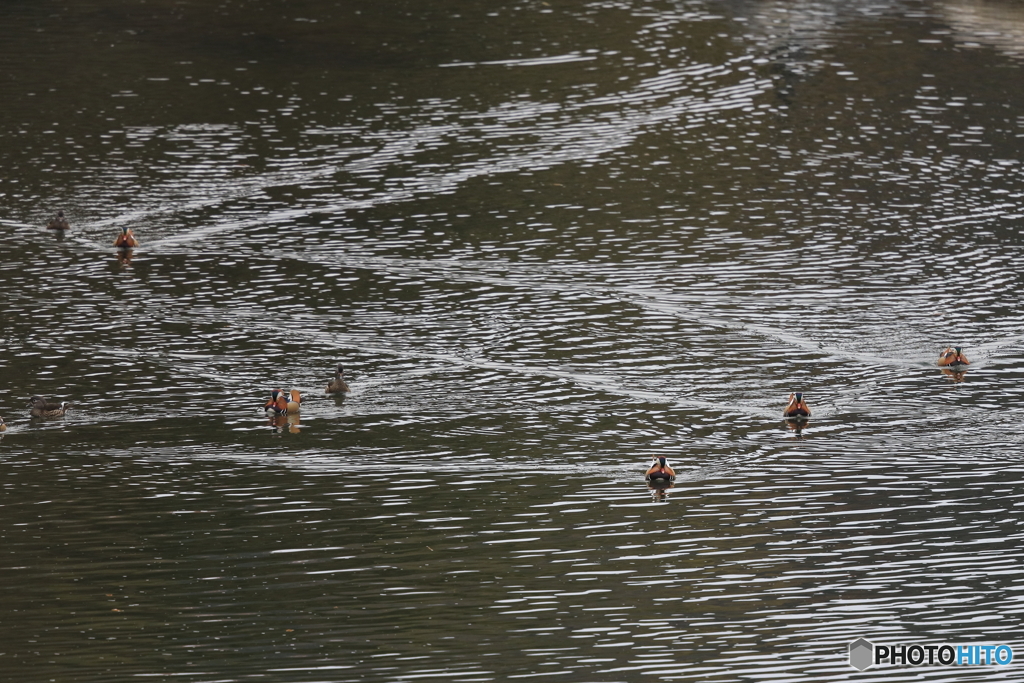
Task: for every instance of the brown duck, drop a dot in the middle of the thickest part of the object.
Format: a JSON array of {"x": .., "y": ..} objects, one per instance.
[
  {"x": 338, "y": 383},
  {"x": 660, "y": 471},
  {"x": 126, "y": 240},
  {"x": 278, "y": 403},
  {"x": 43, "y": 408},
  {"x": 58, "y": 222},
  {"x": 953, "y": 355},
  {"x": 797, "y": 407}
]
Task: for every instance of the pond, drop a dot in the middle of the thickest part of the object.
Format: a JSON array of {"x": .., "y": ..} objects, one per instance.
[{"x": 548, "y": 242}]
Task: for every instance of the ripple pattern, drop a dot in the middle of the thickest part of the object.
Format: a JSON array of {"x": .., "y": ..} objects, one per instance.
[{"x": 548, "y": 243}]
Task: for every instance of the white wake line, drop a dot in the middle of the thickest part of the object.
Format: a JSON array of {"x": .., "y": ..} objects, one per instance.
[
  {"x": 394, "y": 150},
  {"x": 240, "y": 189},
  {"x": 592, "y": 381},
  {"x": 606, "y": 135},
  {"x": 680, "y": 305},
  {"x": 590, "y": 138},
  {"x": 690, "y": 307},
  {"x": 431, "y": 464},
  {"x": 253, "y": 321},
  {"x": 534, "y": 61}
]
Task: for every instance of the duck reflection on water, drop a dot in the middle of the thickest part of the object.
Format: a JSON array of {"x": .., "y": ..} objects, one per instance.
[
  {"x": 124, "y": 257},
  {"x": 797, "y": 425},
  {"x": 289, "y": 421},
  {"x": 954, "y": 375},
  {"x": 659, "y": 491}
]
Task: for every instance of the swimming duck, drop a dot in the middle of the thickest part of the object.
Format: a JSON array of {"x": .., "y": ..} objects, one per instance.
[
  {"x": 660, "y": 471},
  {"x": 43, "y": 408},
  {"x": 338, "y": 383},
  {"x": 58, "y": 222},
  {"x": 292, "y": 405},
  {"x": 796, "y": 408},
  {"x": 126, "y": 240},
  {"x": 277, "y": 405},
  {"x": 953, "y": 355},
  {"x": 3, "y": 427}
]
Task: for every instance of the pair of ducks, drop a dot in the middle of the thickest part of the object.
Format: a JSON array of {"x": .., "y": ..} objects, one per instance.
[
  {"x": 125, "y": 240},
  {"x": 281, "y": 403},
  {"x": 952, "y": 357}
]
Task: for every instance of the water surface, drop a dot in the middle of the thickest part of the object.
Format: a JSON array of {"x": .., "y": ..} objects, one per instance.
[{"x": 548, "y": 241}]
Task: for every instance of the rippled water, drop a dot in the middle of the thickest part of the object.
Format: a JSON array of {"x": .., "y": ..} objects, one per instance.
[{"x": 548, "y": 241}]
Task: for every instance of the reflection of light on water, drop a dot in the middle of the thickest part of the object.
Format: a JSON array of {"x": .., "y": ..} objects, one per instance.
[{"x": 996, "y": 24}]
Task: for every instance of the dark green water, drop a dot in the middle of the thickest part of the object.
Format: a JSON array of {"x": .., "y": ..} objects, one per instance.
[{"x": 548, "y": 241}]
